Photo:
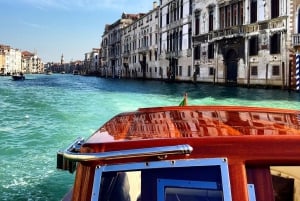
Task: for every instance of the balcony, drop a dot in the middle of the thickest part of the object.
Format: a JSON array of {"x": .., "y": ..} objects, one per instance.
[
  {"x": 296, "y": 39},
  {"x": 277, "y": 24}
]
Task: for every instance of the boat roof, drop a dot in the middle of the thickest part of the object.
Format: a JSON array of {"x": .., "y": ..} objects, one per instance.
[{"x": 175, "y": 122}]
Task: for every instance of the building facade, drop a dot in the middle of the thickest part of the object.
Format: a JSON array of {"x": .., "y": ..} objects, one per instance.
[
  {"x": 31, "y": 63},
  {"x": 111, "y": 45},
  {"x": 140, "y": 46},
  {"x": 91, "y": 61},
  {"x": 10, "y": 60},
  {"x": 175, "y": 43},
  {"x": 3, "y": 52},
  {"x": 242, "y": 42},
  {"x": 295, "y": 24}
]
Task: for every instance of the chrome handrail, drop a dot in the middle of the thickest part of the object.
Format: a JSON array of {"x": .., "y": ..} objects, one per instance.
[
  {"x": 66, "y": 159},
  {"x": 131, "y": 153},
  {"x": 65, "y": 164}
]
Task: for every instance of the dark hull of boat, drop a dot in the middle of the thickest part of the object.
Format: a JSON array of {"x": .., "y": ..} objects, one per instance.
[{"x": 18, "y": 77}]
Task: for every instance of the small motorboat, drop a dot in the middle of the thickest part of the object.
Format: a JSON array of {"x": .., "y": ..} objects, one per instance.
[
  {"x": 17, "y": 77},
  {"x": 220, "y": 153}
]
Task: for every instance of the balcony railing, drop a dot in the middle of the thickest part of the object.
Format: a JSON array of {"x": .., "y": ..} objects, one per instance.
[
  {"x": 296, "y": 39},
  {"x": 241, "y": 30}
]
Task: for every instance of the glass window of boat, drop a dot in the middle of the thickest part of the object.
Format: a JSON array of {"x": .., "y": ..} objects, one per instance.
[
  {"x": 280, "y": 183},
  {"x": 184, "y": 180}
]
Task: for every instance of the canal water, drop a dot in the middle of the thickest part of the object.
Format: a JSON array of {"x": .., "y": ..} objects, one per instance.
[{"x": 45, "y": 113}]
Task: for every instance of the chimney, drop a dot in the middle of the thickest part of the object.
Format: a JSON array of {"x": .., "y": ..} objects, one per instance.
[{"x": 154, "y": 4}]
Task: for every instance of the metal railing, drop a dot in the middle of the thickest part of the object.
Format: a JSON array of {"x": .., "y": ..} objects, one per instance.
[
  {"x": 296, "y": 39},
  {"x": 66, "y": 159}
]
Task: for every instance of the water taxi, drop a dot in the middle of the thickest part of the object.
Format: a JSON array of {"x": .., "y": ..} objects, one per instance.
[
  {"x": 19, "y": 76},
  {"x": 189, "y": 153}
]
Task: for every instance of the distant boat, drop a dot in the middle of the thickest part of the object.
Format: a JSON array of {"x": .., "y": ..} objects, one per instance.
[
  {"x": 48, "y": 72},
  {"x": 18, "y": 77},
  {"x": 75, "y": 72}
]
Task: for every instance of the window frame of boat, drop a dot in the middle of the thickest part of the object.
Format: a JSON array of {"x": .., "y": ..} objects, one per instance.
[
  {"x": 222, "y": 163},
  {"x": 164, "y": 184},
  {"x": 251, "y": 192}
]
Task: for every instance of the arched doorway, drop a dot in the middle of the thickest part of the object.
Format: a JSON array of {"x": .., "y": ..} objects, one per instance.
[{"x": 232, "y": 66}]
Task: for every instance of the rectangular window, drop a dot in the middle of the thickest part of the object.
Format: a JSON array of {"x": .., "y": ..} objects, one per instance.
[
  {"x": 222, "y": 18},
  {"x": 167, "y": 19},
  {"x": 211, "y": 20},
  {"x": 170, "y": 189},
  {"x": 180, "y": 40},
  {"x": 203, "y": 179},
  {"x": 254, "y": 71},
  {"x": 189, "y": 71},
  {"x": 211, "y": 71},
  {"x": 228, "y": 16},
  {"x": 253, "y": 11},
  {"x": 181, "y": 9},
  {"x": 274, "y": 8},
  {"x": 253, "y": 46},
  {"x": 275, "y": 71},
  {"x": 211, "y": 51},
  {"x": 190, "y": 38},
  {"x": 241, "y": 13},
  {"x": 235, "y": 16},
  {"x": 275, "y": 43},
  {"x": 180, "y": 70},
  {"x": 197, "y": 53},
  {"x": 197, "y": 25}
]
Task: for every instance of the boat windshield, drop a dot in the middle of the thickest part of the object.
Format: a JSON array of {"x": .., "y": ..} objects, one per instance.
[{"x": 184, "y": 180}]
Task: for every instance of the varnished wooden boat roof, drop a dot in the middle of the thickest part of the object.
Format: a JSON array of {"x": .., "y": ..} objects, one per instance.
[
  {"x": 247, "y": 136},
  {"x": 198, "y": 122}
]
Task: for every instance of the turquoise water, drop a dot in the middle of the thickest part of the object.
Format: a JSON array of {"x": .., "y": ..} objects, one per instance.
[{"x": 45, "y": 113}]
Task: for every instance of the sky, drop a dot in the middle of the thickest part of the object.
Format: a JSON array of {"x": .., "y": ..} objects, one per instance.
[{"x": 51, "y": 28}]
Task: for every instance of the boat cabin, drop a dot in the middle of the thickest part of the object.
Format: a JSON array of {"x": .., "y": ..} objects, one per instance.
[{"x": 189, "y": 153}]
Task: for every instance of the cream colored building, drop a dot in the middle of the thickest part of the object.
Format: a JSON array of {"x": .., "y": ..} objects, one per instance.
[
  {"x": 2, "y": 63},
  {"x": 112, "y": 45},
  {"x": 175, "y": 45},
  {"x": 140, "y": 46},
  {"x": 243, "y": 42},
  {"x": 31, "y": 63},
  {"x": 13, "y": 61},
  {"x": 91, "y": 61}
]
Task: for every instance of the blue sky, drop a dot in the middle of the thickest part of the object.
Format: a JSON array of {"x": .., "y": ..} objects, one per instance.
[{"x": 55, "y": 27}]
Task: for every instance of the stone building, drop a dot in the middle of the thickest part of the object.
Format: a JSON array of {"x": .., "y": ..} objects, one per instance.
[
  {"x": 10, "y": 60},
  {"x": 175, "y": 45},
  {"x": 295, "y": 30},
  {"x": 112, "y": 45},
  {"x": 3, "y": 51},
  {"x": 242, "y": 42},
  {"x": 31, "y": 63},
  {"x": 140, "y": 46},
  {"x": 91, "y": 62}
]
